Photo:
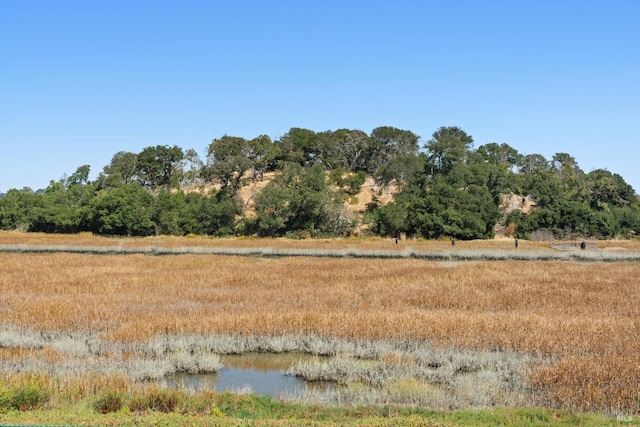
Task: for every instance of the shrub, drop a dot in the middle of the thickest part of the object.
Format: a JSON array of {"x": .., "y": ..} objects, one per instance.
[
  {"x": 7, "y": 397},
  {"x": 110, "y": 401},
  {"x": 201, "y": 403},
  {"x": 29, "y": 398},
  {"x": 156, "y": 399}
]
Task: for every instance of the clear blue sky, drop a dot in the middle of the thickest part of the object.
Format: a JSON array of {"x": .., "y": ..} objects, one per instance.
[{"x": 81, "y": 80}]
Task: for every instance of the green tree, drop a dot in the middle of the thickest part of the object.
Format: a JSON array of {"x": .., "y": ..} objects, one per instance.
[
  {"x": 15, "y": 209},
  {"x": 456, "y": 205},
  {"x": 387, "y": 220},
  {"x": 628, "y": 220},
  {"x": 298, "y": 199},
  {"x": 533, "y": 163},
  {"x": 168, "y": 211},
  {"x": 125, "y": 210},
  {"x": 79, "y": 177},
  {"x": 544, "y": 189},
  {"x": 158, "y": 166},
  {"x": 264, "y": 154},
  {"x": 448, "y": 147},
  {"x": 218, "y": 213},
  {"x": 64, "y": 205},
  {"x": 502, "y": 155},
  {"x": 228, "y": 160},
  {"x": 120, "y": 171},
  {"x": 602, "y": 189},
  {"x": 191, "y": 168},
  {"x": 349, "y": 148},
  {"x": 298, "y": 146},
  {"x": 392, "y": 154},
  {"x": 54, "y": 212},
  {"x": 348, "y": 182},
  {"x": 501, "y": 160},
  {"x": 568, "y": 173},
  {"x": 326, "y": 149}
]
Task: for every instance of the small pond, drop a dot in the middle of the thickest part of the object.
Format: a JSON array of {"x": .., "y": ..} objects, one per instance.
[{"x": 261, "y": 373}]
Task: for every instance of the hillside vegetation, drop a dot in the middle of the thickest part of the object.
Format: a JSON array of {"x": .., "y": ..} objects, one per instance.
[{"x": 334, "y": 183}]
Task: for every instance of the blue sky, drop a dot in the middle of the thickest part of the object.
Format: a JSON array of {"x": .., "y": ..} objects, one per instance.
[{"x": 81, "y": 80}]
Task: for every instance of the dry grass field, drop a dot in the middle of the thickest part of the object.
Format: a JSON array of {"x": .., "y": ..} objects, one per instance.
[
  {"x": 87, "y": 239},
  {"x": 584, "y": 317}
]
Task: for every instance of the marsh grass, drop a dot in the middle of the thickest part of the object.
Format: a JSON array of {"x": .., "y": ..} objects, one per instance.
[
  {"x": 406, "y": 253},
  {"x": 77, "y": 353},
  {"x": 416, "y": 374},
  {"x": 360, "y": 243},
  {"x": 136, "y": 310}
]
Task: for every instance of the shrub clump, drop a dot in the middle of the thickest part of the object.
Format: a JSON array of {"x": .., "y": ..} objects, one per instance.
[
  {"x": 7, "y": 397},
  {"x": 29, "y": 397},
  {"x": 110, "y": 401},
  {"x": 156, "y": 399}
]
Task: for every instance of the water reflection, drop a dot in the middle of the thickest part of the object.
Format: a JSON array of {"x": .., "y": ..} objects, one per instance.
[{"x": 261, "y": 373}]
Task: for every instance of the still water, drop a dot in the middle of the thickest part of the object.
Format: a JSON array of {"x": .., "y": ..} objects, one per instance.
[{"x": 261, "y": 373}]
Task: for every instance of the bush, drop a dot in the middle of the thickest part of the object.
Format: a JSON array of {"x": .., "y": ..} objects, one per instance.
[
  {"x": 7, "y": 397},
  {"x": 110, "y": 401},
  {"x": 156, "y": 400},
  {"x": 29, "y": 397},
  {"x": 201, "y": 403}
]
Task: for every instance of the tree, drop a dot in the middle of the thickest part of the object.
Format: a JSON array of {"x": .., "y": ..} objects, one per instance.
[
  {"x": 447, "y": 147},
  {"x": 168, "y": 210},
  {"x": 533, "y": 163},
  {"x": 191, "y": 168},
  {"x": 217, "y": 214},
  {"x": 157, "y": 166},
  {"x": 456, "y": 205},
  {"x": 125, "y": 210},
  {"x": 353, "y": 147},
  {"x": 16, "y": 208},
  {"x": 299, "y": 200},
  {"x": 543, "y": 188},
  {"x": 80, "y": 176},
  {"x": 387, "y": 220},
  {"x": 390, "y": 150},
  {"x": 348, "y": 182},
  {"x": 628, "y": 220},
  {"x": 263, "y": 154},
  {"x": 567, "y": 172},
  {"x": 501, "y": 155},
  {"x": 602, "y": 189},
  {"x": 228, "y": 160},
  {"x": 298, "y": 146},
  {"x": 180, "y": 213},
  {"x": 120, "y": 171},
  {"x": 343, "y": 148},
  {"x": 500, "y": 160},
  {"x": 326, "y": 150},
  {"x": 54, "y": 213}
]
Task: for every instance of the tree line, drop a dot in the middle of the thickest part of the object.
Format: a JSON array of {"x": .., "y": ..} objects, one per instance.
[{"x": 446, "y": 189}]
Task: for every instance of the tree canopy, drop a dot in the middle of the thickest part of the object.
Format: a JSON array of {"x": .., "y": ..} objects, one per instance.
[{"x": 444, "y": 189}]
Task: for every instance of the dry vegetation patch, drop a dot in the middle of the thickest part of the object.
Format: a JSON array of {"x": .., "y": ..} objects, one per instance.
[{"x": 586, "y": 316}]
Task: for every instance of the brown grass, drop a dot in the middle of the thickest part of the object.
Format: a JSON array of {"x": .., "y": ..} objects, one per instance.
[
  {"x": 361, "y": 243},
  {"x": 585, "y": 315}
]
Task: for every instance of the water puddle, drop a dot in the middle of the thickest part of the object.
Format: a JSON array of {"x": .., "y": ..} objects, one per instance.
[{"x": 261, "y": 373}]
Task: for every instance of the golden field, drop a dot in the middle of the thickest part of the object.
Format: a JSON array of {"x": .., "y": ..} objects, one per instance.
[
  {"x": 583, "y": 316},
  {"x": 373, "y": 243}
]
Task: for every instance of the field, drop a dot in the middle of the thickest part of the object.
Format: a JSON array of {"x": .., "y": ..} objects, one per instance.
[{"x": 559, "y": 334}]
